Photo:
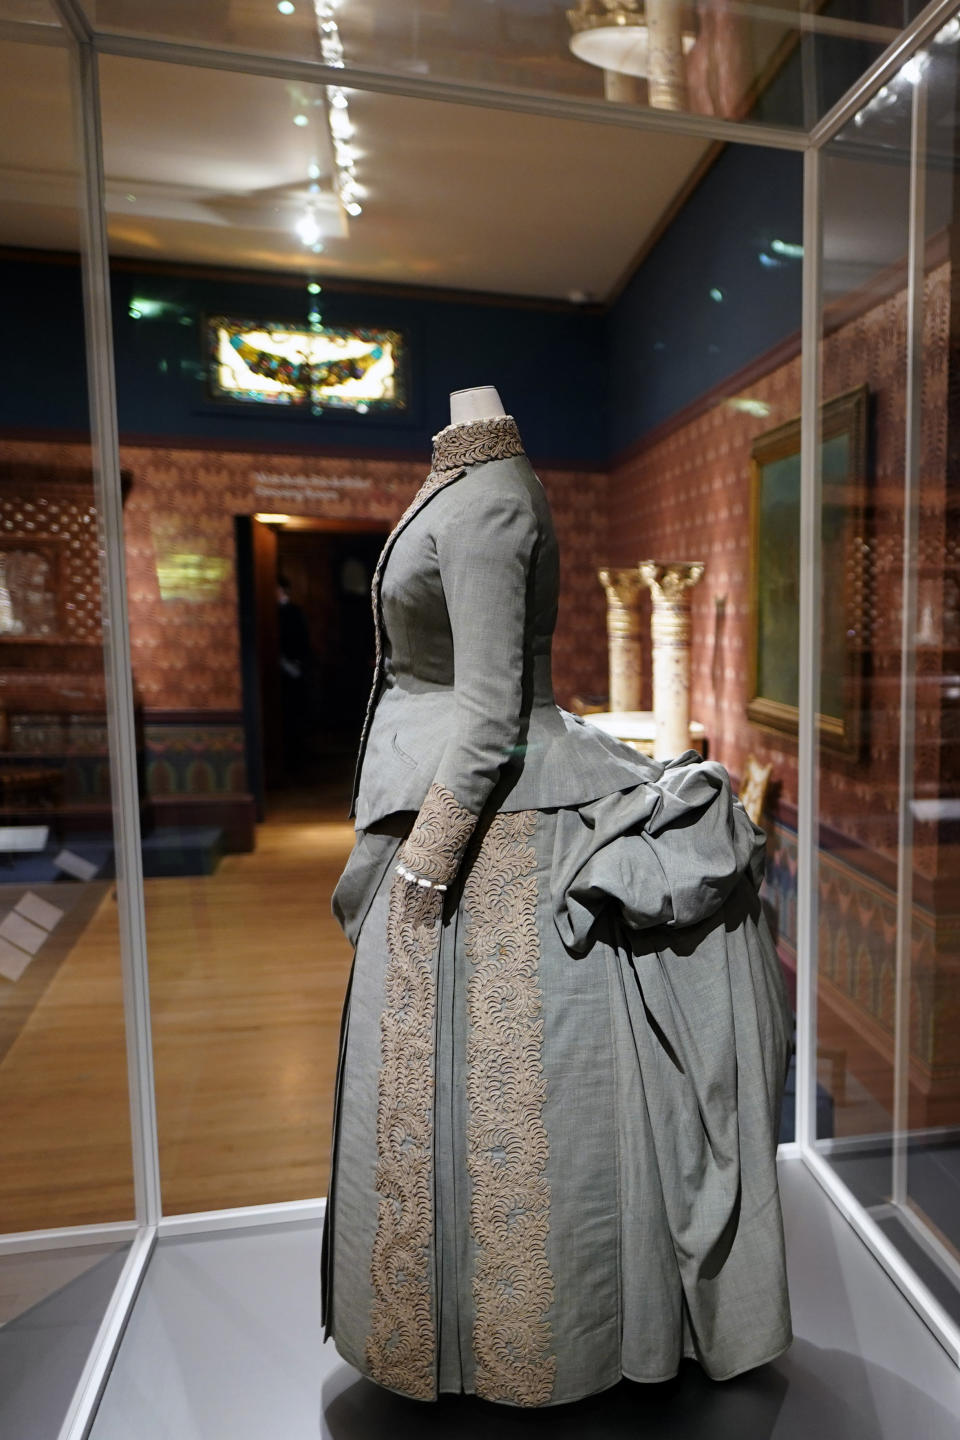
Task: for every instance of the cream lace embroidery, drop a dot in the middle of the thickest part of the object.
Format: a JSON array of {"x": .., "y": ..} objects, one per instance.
[
  {"x": 401, "y": 1348},
  {"x": 435, "y": 845},
  {"x": 507, "y": 1146},
  {"x": 475, "y": 441}
]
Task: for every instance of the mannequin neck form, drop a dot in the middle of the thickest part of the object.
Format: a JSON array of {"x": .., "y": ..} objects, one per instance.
[{"x": 483, "y": 403}]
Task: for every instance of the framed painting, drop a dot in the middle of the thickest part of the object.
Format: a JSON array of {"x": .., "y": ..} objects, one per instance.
[
  {"x": 31, "y": 589},
  {"x": 775, "y": 580}
]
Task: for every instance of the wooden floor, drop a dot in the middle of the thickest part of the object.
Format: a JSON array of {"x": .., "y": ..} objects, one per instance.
[{"x": 248, "y": 970}]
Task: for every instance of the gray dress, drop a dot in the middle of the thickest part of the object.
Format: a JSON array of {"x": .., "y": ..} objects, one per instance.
[{"x": 560, "y": 1077}]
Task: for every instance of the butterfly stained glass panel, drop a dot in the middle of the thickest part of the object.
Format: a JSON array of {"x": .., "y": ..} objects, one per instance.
[{"x": 272, "y": 364}]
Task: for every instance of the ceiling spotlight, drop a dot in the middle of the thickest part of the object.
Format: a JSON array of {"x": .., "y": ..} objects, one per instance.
[
  {"x": 286, "y": 7},
  {"x": 912, "y": 72},
  {"x": 340, "y": 124},
  {"x": 300, "y": 120},
  {"x": 313, "y": 288},
  {"x": 788, "y": 248},
  {"x": 308, "y": 228},
  {"x": 353, "y": 207},
  {"x": 313, "y": 171}
]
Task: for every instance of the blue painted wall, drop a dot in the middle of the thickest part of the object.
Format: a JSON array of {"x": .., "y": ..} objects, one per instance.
[
  {"x": 547, "y": 364},
  {"x": 713, "y": 294}
]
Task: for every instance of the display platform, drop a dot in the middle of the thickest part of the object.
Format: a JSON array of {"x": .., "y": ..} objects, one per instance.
[{"x": 225, "y": 1340}]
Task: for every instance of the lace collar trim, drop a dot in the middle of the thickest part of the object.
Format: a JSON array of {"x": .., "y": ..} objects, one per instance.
[{"x": 475, "y": 441}]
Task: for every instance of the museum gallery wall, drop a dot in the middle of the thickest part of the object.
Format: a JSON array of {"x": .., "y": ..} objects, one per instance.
[
  {"x": 685, "y": 491},
  {"x": 681, "y": 490},
  {"x": 185, "y": 645}
]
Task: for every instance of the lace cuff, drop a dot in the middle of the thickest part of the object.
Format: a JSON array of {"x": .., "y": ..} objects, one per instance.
[{"x": 434, "y": 848}]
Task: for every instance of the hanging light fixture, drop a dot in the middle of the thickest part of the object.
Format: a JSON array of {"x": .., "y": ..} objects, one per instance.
[
  {"x": 632, "y": 37},
  {"x": 346, "y": 185}
]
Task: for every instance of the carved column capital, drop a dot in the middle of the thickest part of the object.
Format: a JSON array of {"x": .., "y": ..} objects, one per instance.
[{"x": 669, "y": 580}]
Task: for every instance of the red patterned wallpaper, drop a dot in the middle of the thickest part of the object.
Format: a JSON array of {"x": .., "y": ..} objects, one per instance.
[
  {"x": 180, "y": 555},
  {"x": 687, "y": 496}
]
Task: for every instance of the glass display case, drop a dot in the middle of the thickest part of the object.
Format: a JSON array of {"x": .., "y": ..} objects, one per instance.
[{"x": 168, "y": 1039}]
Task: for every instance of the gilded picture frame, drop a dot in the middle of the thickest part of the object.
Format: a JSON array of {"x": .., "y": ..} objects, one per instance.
[{"x": 775, "y": 574}]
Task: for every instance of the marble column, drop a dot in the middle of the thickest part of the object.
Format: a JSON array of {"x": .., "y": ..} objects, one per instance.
[
  {"x": 624, "y": 644},
  {"x": 623, "y": 89},
  {"x": 666, "y": 72},
  {"x": 670, "y": 584}
]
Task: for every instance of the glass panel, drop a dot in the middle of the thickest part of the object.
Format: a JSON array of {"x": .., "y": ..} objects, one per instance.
[
  {"x": 228, "y": 369},
  {"x": 65, "y": 1151},
  {"x": 64, "y": 1122},
  {"x": 864, "y": 237},
  {"x": 889, "y": 925},
  {"x": 927, "y": 1222},
  {"x": 247, "y": 762},
  {"x": 780, "y": 62}
]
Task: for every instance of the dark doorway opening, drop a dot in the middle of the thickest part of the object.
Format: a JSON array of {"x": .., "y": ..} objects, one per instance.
[{"x": 307, "y": 649}]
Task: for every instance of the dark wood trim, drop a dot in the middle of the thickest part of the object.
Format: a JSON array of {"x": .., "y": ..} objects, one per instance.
[
  {"x": 49, "y": 435},
  {"x": 780, "y": 354},
  {"x": 886, "y": 283},
  {"x": 192, "y": 717},
  {"x": 412, "y": 455},
  {"x": 320, "y": 524},
  {"x": 838, "y": 313},
  {"x": 333, "y": 284},
  {"x": 228, "y": 445},
  {"x": 233, "y": 814}
]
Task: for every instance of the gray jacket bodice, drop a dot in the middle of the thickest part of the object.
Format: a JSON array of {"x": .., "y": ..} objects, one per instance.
[{"x": 465, "y": 602}]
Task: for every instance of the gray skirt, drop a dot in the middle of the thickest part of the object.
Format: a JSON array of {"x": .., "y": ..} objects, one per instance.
[{"x": 556, "y": 1112}]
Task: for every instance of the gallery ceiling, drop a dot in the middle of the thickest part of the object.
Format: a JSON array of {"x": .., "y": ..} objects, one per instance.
[
  {"x": 219, "y": 167},
  {"x": 214, "y": 167}
]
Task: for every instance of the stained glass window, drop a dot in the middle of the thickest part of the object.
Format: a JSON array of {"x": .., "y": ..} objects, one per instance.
[{"x": 271, "y": 364}]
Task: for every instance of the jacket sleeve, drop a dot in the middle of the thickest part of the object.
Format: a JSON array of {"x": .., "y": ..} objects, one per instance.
[{"x": 485, "y": 555}]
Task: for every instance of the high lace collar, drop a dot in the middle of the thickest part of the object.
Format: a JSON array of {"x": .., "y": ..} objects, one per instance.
[{"x": 475, "y": 441}]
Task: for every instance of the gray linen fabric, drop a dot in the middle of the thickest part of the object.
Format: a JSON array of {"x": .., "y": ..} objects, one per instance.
[{"x": 559, "y": 1083}]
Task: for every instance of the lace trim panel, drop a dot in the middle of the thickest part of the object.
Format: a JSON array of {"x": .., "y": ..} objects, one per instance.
[
  {"x": 401, "y": 1349},
  {"x": 507, "y": 1146},
  {"x": 473, "y": 442},
  {"x": 435, "y": 845}
]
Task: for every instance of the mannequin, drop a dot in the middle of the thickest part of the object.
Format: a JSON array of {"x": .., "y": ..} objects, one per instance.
[
  {"x": 549, "y": 928},
  {"x": 482, "y": 403}
]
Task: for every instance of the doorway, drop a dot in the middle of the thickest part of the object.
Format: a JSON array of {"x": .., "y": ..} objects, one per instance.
[{"x": 307, "y": 648}]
